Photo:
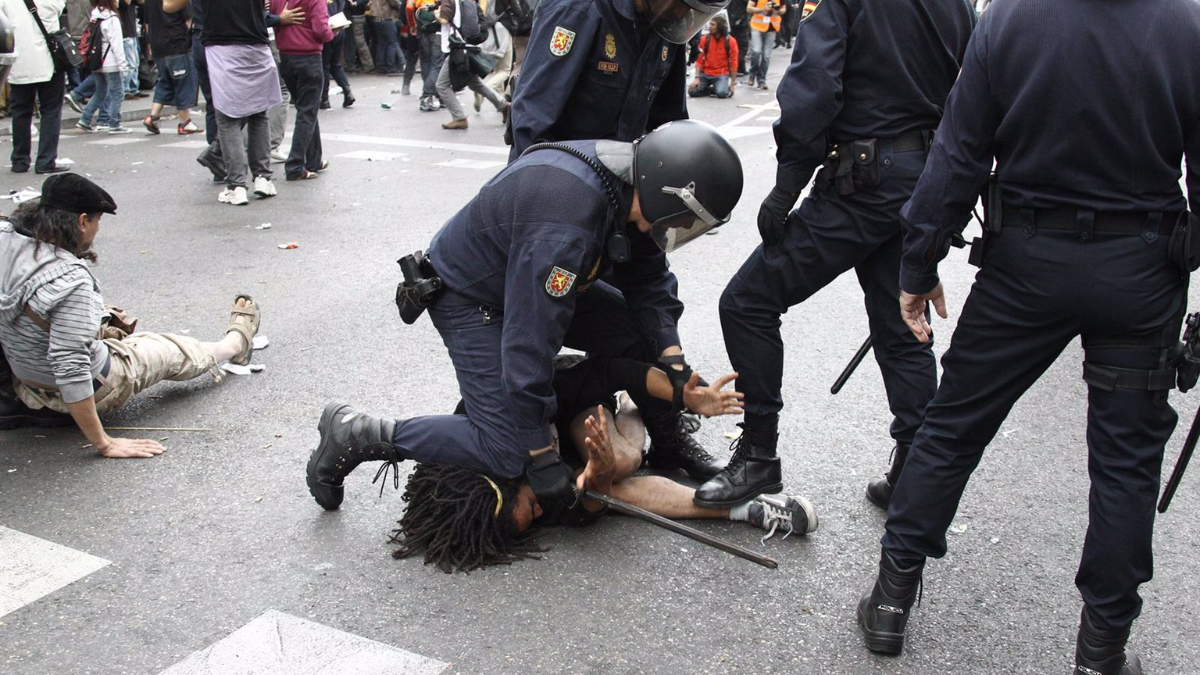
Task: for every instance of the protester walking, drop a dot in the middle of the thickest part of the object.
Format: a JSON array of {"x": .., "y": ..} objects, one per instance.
[
  {"x": 35, "y": 81},
  {"x": 103, "y": 110},
  {"x": 300, "y": 48}
]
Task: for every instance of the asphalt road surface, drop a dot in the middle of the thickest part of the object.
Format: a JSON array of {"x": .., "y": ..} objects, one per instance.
[{"x": 214, "y": 558}]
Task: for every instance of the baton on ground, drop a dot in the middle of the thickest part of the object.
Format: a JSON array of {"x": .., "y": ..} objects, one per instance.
[
  {"x": 679, "y": 528},
  {"x": 850, "y": 367},
  {"x": 1185, "y": 455}
]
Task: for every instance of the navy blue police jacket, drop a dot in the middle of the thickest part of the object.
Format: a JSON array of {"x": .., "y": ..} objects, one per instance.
[
  {"x": 528, "y": 244},
  {"x": 593, "y": 71},
  {"x": 1080, "y": 103},
  {"x": 865, "y": 70}
]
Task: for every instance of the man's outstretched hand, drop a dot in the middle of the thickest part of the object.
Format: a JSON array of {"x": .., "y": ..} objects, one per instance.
[
  {"x": 914, "y": 307},
  {"x": 597, "y": 475},
  {"x": 710, "y": 400},
  {"x": 121, "y": 448}
]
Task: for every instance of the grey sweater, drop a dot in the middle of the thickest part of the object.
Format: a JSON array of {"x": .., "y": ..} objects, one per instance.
[{"x": 60, "y": 288}]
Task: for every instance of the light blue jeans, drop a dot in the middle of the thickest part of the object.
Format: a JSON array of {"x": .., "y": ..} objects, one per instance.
[
  {"x": 105, "y": 103},
  {"x": 134, "y": 58},
  {"x": 761, "y": 45}
]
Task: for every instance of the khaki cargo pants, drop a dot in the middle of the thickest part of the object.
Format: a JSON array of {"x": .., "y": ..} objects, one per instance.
[{"x": 135, "y": 363}]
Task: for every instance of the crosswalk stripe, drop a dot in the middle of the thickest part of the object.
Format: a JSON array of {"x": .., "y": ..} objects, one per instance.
[
  {"x": 31, "y": 568},
  {"x": 280, "y": 644}
]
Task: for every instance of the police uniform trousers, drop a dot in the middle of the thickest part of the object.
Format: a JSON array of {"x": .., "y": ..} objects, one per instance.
[
  {"x": 1036, "y": 292},
  {"x": 826, "y": 236},
  {"x": 485, "y": 438}
]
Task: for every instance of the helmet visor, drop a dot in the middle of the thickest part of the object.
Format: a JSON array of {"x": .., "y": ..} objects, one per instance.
[
  {"x": 678, "y": 21},
  {"x": 673, "y": 231}
]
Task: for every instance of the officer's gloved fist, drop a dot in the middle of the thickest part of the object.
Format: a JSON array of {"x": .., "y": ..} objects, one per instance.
[
  {"x": 772, "y": 215},
  {"x": 553, "y": 482}
]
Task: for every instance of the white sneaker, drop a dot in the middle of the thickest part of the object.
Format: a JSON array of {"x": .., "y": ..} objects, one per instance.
[
  {"x": 277, "y": 156},
  {"x": 119, "y": 130},
  {"x": 263, "y": 187},
  {"x": 235, "y": 196}
]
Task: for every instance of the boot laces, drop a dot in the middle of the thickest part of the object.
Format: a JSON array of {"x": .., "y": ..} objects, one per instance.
[{"x": 390, "y": 463}]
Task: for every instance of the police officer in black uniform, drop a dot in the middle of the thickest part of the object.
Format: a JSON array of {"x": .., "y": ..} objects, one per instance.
[
  {"x": 614, "y": 69},
  {"x": 605, "y": 69},
  {"x": 520, "y": 264},
  {"x": 862, "y": 96},
  {"x": 1083, "y": 238}
]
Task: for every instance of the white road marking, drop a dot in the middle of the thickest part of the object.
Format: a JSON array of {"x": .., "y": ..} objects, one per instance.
[
  {"x": 193, "y": 145},
  {"x": 471, "y": 164},
  {"x": 31, "y": 568},
  {"x": 280, "y": 644},
  {"x": 117, "y": 141},
  {"x": 373, "y": 155},
  {"x": 425, "y": 144}
]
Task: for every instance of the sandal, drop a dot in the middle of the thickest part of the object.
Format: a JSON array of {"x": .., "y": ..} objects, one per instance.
[{"x": 244, "y": 320}]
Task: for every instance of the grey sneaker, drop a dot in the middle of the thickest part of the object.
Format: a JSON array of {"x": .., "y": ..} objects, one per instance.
[
  {"x": 772, "y": 512},
  {"x": 117, "y": 130}
]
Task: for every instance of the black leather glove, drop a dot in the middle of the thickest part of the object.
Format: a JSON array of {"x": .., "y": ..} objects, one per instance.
[
  {"x": 553, "y": 482},
  {"x": 772, "y": 215}
]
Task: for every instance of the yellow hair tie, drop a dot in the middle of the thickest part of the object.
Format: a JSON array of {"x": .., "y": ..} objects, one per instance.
[{"x": 499, "y": 498}]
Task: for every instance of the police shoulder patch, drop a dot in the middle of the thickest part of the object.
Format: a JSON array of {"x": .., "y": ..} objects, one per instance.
[
  {"x": 560, "y": 282},
  {"x": 810, "y": 6},
  {"x": 561, "y": 41}
]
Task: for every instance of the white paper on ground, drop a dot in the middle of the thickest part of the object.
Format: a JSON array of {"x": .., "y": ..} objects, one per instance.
[
  {"x": 260, "y": 342},
  {"x": 242, "y": 370}
]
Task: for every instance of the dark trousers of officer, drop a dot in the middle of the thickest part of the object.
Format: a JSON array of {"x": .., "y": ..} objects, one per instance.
[
  {"x": 485, "y": 437},
  {"x": 828, "y": 235},
  {"x": 1036, "y": 292}
]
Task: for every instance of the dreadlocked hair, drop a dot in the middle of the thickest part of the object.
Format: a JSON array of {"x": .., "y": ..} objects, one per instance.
[{"x": 451, "y": 515}]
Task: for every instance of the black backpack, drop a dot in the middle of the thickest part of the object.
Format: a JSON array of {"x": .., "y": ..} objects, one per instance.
[
  {"x": 516, "y": 15},
  {"x": 92, "y": 47},
  {"x": 472, "y": 22}
]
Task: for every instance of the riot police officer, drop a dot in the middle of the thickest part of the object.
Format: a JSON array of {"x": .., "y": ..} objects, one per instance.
[
  {"x": 521, "y": 266},
  {"x": 1084, "y": 237},
  {"x": 862, "y": 95},
  {"x": 610, "y": 69}
]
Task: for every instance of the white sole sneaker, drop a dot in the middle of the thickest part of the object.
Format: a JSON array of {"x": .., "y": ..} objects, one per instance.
[
  {"x": 277, "y": 156},
  {"x": 236, "y": 196},
  {"x": 263, "y": 187}
]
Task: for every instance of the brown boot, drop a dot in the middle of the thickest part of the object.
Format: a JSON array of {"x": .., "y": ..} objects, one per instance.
[{"x": 456, "y": 124}]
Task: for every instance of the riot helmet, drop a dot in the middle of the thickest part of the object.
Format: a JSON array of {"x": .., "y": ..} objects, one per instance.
[
  {"x": 688, "y": 179},
  {"x": 678, "y": 21}
]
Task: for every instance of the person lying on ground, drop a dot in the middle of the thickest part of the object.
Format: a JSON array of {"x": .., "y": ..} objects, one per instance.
[{"x": 52, "y": 319}]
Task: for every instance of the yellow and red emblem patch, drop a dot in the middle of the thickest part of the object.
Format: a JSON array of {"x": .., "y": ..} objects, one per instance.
[
  {"x": 561, "y": 41},
  {"x": 560, "y": 282},
  {"x": 810, "y": 6}
]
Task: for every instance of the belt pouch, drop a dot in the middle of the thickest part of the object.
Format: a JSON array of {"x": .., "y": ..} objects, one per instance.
[
  {"x": 866, "y": 164},
  {"x": 1183, "y": 251}
]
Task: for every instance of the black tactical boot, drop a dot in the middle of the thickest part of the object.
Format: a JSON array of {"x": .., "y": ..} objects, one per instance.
[
  {"x": 1102, "y": 652},
  {"x": 879, "y": 491},
  {"x": 753, "y": 470},
  {"x": 348, "y": 438},
  {"x": 883, "y": 613},
  {"x": 671, "y": 447}
]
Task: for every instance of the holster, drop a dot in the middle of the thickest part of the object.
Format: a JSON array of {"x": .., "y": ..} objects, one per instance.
[
  {"x": 993, "y": 220},
  {"x": 421, "y": 286},
  {"x": 852, "y": 170},
  {"x": 1183, "y": 250}
]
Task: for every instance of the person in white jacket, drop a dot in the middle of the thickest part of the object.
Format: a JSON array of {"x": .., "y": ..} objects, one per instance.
[
  {"x": 34, "y": 83},
  {"x": 103, "y": 111}
]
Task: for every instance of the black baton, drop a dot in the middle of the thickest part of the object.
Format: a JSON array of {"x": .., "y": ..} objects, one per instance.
[
  {"x": 1185, "y": 456},
  {"x": 679, "y": 528},
  {"x": 850, "y": 367}
]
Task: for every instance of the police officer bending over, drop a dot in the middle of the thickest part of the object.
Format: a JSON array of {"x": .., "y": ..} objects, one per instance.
[
  {"x": 519, "y": 265},
  {"x": 1083, "y": 238},
  {"x": 862, "y": 95},
  {"x": 611, "y": 69}
]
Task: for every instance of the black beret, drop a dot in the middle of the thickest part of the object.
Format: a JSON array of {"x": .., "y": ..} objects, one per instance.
[{"x": 76, "y": 194}]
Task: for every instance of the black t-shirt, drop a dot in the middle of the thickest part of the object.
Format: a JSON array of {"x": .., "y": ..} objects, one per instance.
[
  {"x": 128, "y": 14},
  {"x": 234, "y": 22},
  {"x": 168, "y": 33}
]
